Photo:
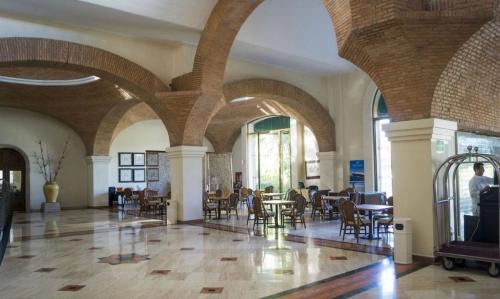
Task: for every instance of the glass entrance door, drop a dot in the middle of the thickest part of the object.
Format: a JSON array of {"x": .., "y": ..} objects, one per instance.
[{"x": 12, "y": 171}]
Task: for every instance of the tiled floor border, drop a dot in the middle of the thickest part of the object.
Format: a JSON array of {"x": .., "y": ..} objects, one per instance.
[{"x": 349, "y": 283}]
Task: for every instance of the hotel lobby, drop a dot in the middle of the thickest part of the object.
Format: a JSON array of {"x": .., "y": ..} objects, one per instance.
[{"x": 249, "y": 149}]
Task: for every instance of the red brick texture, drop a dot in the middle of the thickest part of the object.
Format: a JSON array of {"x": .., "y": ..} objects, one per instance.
[
  {"x": 469, "y": 88},
  {"x": 405, "y": 45},
  {"x": 270, "y": 97},
  {"x": 91, "y": 110}
]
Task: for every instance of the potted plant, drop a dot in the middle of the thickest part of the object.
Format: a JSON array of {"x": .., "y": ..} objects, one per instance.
[{"x": 50, "y": 169}]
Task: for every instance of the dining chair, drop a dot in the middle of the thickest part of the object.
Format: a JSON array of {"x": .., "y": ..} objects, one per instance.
[
  {"x": 231, "y": 204},
  {"x": 318, "y": 206},
  {"x": 388, "y": 220},
  {"x": 243, "y": 194},
  {"x": 260, "y": 213},
  {"x": 296, "y": 214},
  {"x": 250, "y": 207},
  {"x": 352, "y": 219},
  {"x": 208, "y": 207},
  {"x": 128, "y": 196}
]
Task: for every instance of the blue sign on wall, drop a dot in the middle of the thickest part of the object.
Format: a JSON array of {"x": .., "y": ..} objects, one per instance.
[{"x": 357, "y": 174}]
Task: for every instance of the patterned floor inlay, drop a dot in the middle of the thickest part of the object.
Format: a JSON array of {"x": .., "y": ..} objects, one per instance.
[
  {"x": 229, "y": 259},
  {"x": 95, "y": 248},
  {"x": 45, "y": 270},
  {"x": 461, "y": 279},
  {"x": 116, "y": 259},
  {"x": 338, "y": 258},
  {"x": 12, "y": 246},
  {"x": 238, "y": 240},
  {"x": 154, "y": 241},
  {"x": 75, "y": 240},
  {"x": 72, "y": 288},
  {"x": 351, "y": 282},
  {"x": 204, "y": 234},
  {"x": 160, "y": 272},
  {"x": 26, "y": 256},
  {"x": 187, "y": 248},
  {"x": 211, "y": 290}
]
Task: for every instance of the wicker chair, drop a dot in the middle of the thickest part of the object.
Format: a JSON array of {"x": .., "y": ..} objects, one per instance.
[
  {"x": 250, "y": 208},
  {"x": 297, "y": 213},
  {"x": 318, "y": 206},
  {"x": 352, "y": 219},
  {"x": 128, "y": 196},
  {"x": 243, "y": 194},
  {"x": 260, "y": 213},
  {"x": 231, "y": 204},
  {"x": 208, "y": 207},
  {"x": 388, "y": 220}
]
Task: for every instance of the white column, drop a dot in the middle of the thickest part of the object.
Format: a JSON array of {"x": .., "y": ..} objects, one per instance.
[
  {"x": 327, "y": 170},
  {"x": 417, "y": 148},
  {"x": 98, "y": 172},
  {"x": 187, "y": 174}
]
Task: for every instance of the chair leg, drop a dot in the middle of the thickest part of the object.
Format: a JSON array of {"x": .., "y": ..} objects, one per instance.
[
  {"x": 343, "y": 236},
  {"x": 341, "y": 225},
  {"x": 236, "y": 213}
]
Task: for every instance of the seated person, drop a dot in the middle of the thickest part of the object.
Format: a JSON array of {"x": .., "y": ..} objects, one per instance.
[{"x": 476, "y": 184}]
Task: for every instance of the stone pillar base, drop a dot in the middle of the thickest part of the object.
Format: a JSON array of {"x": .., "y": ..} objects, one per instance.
[{"x": 51, "y": 207}]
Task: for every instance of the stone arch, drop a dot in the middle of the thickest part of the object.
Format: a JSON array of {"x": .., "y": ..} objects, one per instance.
[
  {"x": 468, "y": 90},
  {"x": 92, "y": 109},
  {"x": 268, "y": 97}
]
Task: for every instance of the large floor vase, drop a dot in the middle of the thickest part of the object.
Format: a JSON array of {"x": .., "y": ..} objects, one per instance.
[{"x": 51, "y": 191}]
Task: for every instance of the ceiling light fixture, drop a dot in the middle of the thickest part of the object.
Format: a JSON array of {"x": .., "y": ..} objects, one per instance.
[{"x": 35, "y": 82}]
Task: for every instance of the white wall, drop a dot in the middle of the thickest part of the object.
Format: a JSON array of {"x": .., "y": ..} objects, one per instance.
[
  {"x": 350, "y": 104},
  {"x": 22, "y": 129},
  {"x": 238, "y": 158},
  {"x": 145, "y": 135}
]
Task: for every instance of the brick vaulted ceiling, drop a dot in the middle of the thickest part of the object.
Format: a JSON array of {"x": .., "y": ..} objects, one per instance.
[
  {"x": 405, "y": 45},
  {"x": 92, "y": 110}
]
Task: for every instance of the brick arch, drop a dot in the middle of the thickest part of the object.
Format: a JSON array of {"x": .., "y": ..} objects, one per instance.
[
  {"x": 405, "y": 45},
  {"x": 468, "y": 91},
  {"x": 24, "y": 51},
  {"x": 271, "y": 97},
  {"x": 90, "y": 109}
]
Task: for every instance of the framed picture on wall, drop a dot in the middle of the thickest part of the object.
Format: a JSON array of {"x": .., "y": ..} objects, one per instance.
[
  {"x": 153, "y": 174},
  {"x": 125, "y": 175},
  {"x": 125, "y": 159},
  {"x": 139, "y": 175},
  {"x": 152, "y": 159},
  {"x": 138, "y": 159},
  {"x": 312, "y": 170}
]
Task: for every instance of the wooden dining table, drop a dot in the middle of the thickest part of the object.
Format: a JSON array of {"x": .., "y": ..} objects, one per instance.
[
  {"x": 272, "y": 195},
  {"x": 333, "y": 200},
  {"x": 278, "y": 204},
  {"x": 371, "y": 209}
]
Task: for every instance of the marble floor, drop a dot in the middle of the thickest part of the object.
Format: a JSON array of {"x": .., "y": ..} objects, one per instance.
[{"x": 110, "y": 254}]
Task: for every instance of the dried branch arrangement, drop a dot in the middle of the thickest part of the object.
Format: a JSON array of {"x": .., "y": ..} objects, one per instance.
[{"x": 49, "y": 167}]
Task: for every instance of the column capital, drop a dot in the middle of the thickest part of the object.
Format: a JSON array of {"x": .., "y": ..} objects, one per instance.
[
  {"x": 185, "y": 151},
  {"x": 98, "y": 159},
  {"x": 422, "y": 129},
  {"x": 322, "y": 156}
]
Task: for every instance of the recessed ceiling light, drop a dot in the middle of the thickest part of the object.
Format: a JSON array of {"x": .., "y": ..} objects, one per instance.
[{"x": 35, "y": 82}]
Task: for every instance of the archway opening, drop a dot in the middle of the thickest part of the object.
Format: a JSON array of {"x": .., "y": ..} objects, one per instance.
[{"x": 13, "y": 172}]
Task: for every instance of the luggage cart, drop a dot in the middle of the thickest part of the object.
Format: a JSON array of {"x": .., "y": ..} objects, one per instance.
[{"x": 447, "y": 214}]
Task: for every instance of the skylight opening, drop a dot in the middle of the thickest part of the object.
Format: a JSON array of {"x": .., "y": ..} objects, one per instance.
[
  {"x": 242, "y": 99},
  {"x": 35, "y": 82}
]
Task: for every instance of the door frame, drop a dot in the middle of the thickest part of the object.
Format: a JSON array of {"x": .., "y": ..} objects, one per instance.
[{"x": 27, "y": 175}]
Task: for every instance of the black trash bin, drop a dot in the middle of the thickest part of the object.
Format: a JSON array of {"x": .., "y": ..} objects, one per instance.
[{"x": 112, "y": 196}]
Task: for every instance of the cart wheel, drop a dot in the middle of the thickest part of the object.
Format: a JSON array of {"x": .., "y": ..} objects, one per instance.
[
  {"x": 460, "y": 262},
  {"x": 493, "y": 270},
  {"x": 448, "y": 263}
]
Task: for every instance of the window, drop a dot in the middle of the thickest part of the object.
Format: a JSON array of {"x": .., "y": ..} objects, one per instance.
[
  {"x": 269, "y": 153},
  {"x": 382, "y": 146}
]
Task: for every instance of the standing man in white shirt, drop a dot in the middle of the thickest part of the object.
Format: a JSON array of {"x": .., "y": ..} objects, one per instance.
[{"x": 476, "y": 184}]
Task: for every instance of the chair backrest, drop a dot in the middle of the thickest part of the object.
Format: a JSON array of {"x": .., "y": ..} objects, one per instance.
[
  {"x": 243, "y": 192},
  {"x": 324, "y": 192},
  {"x": 233, "y": 200},
  {"x": 374, "y": 198},
  {"x": 258, "y": 193},
  {"x": 317, "y": 201},
  {"x": 344, "y": 193},
  {"x": 340, "y": 208},
  {"x": 356, "y": 197},
  {"x": 226, "y": 192},
  {"x": 291, "y": 194},
  {"x": 205, "y": 200},
  {"x": 390, "y": 202},
  {"x": 250, "y": 191},
  {"x": 269, "y": 189},
  {"x": 257, "y": 206},
  {"x": 300, "y": 204},
  {"x": 128, "y": 192},
  {"x": 350, "y": 190},
  {"x": 218, "y": 193},
  {"x": 250, "y": 202},
  {"x": 349, "y": 210}
]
